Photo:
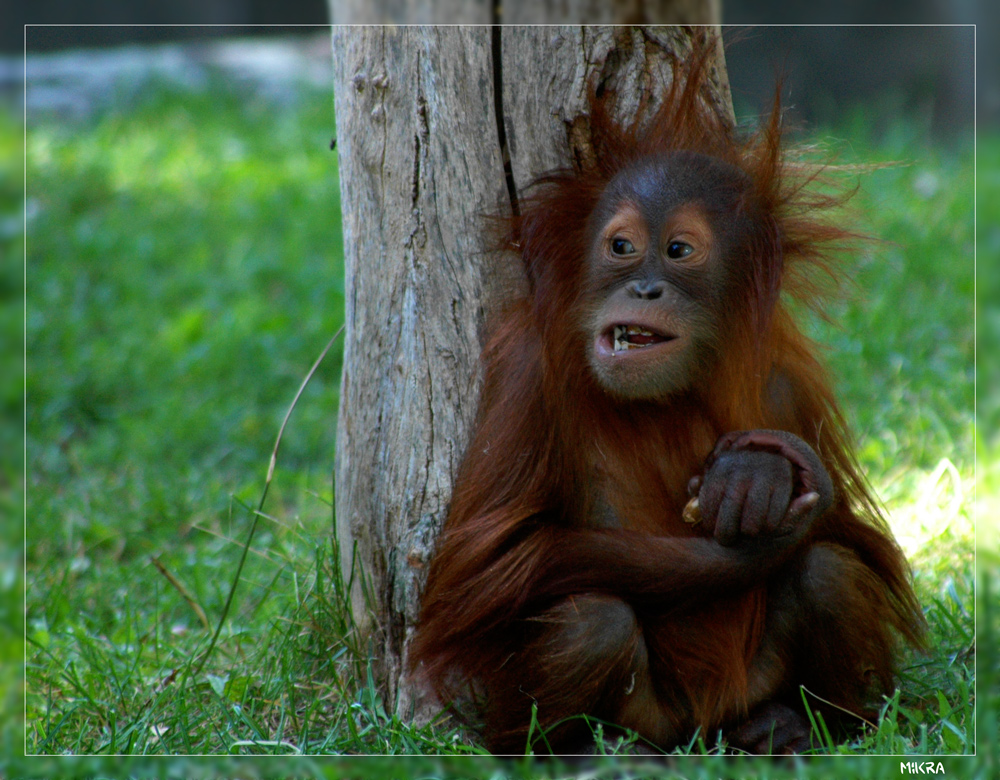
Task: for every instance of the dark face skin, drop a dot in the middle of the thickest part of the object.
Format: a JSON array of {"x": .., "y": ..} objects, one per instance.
[{"x": 668, "y": 236}]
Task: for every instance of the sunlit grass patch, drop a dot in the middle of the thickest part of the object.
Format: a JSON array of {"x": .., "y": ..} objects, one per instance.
[{"x": 929, "y": 509}]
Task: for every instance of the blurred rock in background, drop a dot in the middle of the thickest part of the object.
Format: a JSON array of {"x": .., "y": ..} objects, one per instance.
[{"x": 76, "y": 81}]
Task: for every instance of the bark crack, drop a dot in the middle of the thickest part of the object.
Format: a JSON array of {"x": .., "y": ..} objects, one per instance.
[
  {"x": 379, "y": 114},
  {"x": 420, "y": 138},
  {"x": 498, "y": 112},
  {"x": 430, "y": 428},
  {"x": 417, "y": 236}
]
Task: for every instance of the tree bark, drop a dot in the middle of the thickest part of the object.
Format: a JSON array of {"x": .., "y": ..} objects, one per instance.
[
  {"x": 425, "y": 117},
  {"x": 525, "y": 11},
  {"x": 419, "y": 164}
]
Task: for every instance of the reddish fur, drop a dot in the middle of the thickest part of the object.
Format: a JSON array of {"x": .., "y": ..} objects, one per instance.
[{"x": 513, "y": 543}]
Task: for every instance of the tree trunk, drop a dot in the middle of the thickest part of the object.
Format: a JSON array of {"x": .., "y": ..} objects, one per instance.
[
  {"x": 525, "y": 11},
  {"x": 421, "y": 148}
]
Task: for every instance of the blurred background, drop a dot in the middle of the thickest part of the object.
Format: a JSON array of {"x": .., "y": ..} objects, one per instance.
[{"x": 826, "y": 69}]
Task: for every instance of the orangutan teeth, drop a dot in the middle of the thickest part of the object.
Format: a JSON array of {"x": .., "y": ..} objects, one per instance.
[{"x": 623, "y": 331}]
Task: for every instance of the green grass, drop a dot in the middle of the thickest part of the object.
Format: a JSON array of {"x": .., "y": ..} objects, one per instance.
[{"x": 184, "y": 270}]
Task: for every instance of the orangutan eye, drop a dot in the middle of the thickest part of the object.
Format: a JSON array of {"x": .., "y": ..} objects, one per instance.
[
  {"x": 678, "y": 249},
  {"x": 622, "y": 247}
]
